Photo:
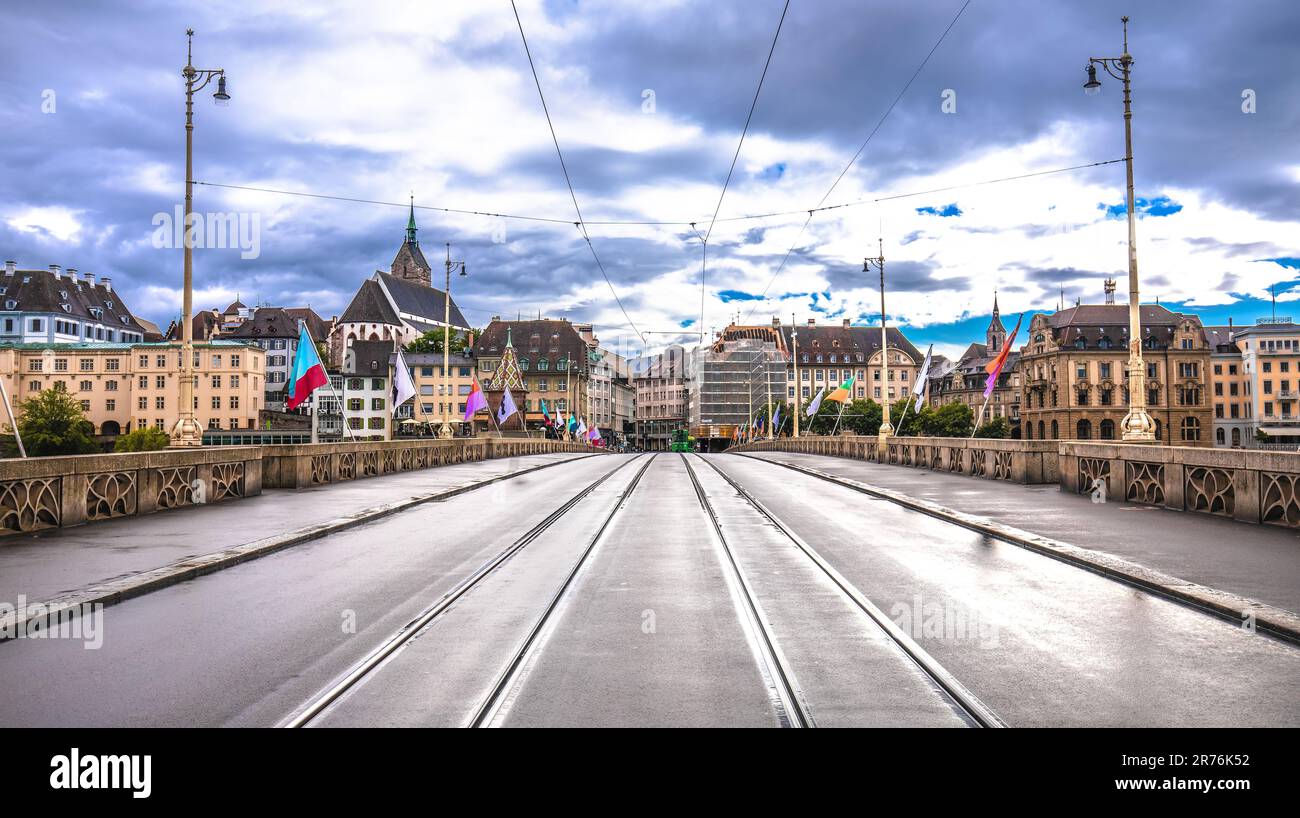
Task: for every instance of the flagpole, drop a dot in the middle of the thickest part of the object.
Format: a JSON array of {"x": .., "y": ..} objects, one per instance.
[{"x": 976, "y": 427}]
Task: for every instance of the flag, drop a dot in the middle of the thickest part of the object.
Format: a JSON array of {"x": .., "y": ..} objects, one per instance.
[
  {"x": 474, "y": 402},
  {"x": 595, "y": 433},
  {"x": 842, "y": 393},
  {"x": 924, "y": 374},
  {"x": 994, "y": 367},
  {"x": 776, "y": 419},
  {"x": 573, "y": 424},
  {"x": 582, "y": 428},
  {"x": 545, "y": 414},
  {"x": 816, "y": 404},
  {"x": 507, "y": 408},
  {"x": 403, "y": 389},
  {"x": 308, "y": 373}
]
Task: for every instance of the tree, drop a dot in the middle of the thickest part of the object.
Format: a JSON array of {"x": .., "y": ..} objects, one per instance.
[
  {"x": 431, "y": 341},
  {"x": 998, "y": 427},
  {"x": 949, "y": 420},
  {"x": 1261, "y": 436},
  {"x": 147, "y": 439},
  {"x": 53, "y": 424}
]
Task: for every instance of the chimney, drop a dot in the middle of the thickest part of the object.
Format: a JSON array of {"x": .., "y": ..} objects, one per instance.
[
  {"x": 846, "y": 323},
  {"x": 90, "y": 278},
  {"x": 812, "y": 322},
  {"x": 72, "y": 273},
  {"x": 776, "y": 322},
  {"x": 107, "y": 282},
  {"x": 54, "y": 268},
  {"x": 11, "y": 267}
]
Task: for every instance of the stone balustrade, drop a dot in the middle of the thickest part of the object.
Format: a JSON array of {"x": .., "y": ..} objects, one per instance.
[
  {"x": 315, "y": 464},
  {"x": 52, "y": 492},
  {"x": 1244, "y": 484},
  {"x": 1016, "y": 461}
]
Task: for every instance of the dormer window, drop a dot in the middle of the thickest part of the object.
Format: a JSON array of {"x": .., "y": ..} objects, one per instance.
[
  {"x": 63, "y": 294},
  {"x": 109, "y": 305},
  {"x": 66, "y": 307},
  {"x": 97, "y": 313},
  {"x": 124, "y": 319},
  {"x": 11, "y": 304}
]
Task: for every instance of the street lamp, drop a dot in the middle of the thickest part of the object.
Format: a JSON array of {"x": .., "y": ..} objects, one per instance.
[
  {"x": 445, "y": 431},
  {"x": 1137, "y": 425},
  {"x": 187, "y": 431},
  {"x": 886, "y": 429}
]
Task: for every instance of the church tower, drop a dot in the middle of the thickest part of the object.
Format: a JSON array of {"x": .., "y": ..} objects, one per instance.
[
  {"x": 409, "y": 264},
  {"x": 996, "y": 335}
]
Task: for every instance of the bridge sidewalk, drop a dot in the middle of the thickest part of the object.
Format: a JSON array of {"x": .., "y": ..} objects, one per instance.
[
  {"x": 1255, "y": 561},
  {"x": 50, "y": 563}
]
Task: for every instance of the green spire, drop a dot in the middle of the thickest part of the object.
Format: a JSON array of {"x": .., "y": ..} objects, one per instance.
[
  {"x": 509, "y": 343},
  {"x": 410, "y": 224}
]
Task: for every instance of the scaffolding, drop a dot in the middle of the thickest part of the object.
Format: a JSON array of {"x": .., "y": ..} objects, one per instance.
[{"x": 738, "y": 377}]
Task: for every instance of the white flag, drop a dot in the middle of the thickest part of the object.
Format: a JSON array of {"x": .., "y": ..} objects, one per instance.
[
  {"x": 816, "y": 403},
  {"x": 508, "y": 407},
  {"x": 403, "y": 389},
  {"x": 924, "y": 374}
]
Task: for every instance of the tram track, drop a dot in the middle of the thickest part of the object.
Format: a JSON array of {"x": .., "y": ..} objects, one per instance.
[
  {"x": 969, "y": 706},
  {"x": 494, "y": 708},
  {"x": 376, "y": 658}
]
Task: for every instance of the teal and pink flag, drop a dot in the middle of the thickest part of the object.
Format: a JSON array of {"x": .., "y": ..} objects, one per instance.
[
  {"x": 475, "y": 402},
  {"x": 308, "y": 372}
]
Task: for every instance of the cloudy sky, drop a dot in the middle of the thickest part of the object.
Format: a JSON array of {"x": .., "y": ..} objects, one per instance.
[{"x": 379, "y": 100}]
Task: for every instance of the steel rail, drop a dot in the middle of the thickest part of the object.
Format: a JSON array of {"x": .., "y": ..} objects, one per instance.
[
  {"x": 494, "y": 706},
  {"x": 972, "y": 707},
  {"x": 367, "y": 665},
  {"x": 793, "y": 710}
]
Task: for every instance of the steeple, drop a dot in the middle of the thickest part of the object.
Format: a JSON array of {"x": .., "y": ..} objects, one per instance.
[
  {"x": 410, "y": 225},
  {"x": 996, "y": 335}
]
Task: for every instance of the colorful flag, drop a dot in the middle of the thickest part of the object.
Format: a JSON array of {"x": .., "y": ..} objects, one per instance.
[
  {"x": 816, "y": 405},
  {"x": 573, "y": 424},
  {"x": 595, "y": 433},
  {"x": 843, "y": 392},
  {"x": 994, "y": 367},
  {"x": 403, "y": 388},
  {"x": 545, "y": 414},
  {"x": 475, "y": 401},
  {"x": 308, "y": 373},
  {"x": 507, "y": 408}
]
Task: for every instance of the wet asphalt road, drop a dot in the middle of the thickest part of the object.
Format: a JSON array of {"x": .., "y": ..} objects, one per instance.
[{"x": 649, "y": 632}]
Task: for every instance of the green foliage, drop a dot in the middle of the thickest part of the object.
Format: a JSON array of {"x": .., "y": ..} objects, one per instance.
[
  {"x": 998, "y": 427},
  {"x": 53, "y": 424},
  {"x": 431, "y": 341},
  {"x": 147, "y": 439},
  {"x": 949, "y": 420},
  {"x": 1261, "y": 436}
]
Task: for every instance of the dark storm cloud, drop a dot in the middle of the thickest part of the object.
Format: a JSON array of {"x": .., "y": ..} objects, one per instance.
[{"x": 1016, "y": 68}]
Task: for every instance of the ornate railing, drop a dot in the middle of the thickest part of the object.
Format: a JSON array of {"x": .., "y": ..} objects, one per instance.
[
  {"x": 1242, "y": 484},
  {"x": 1016, "y": 461},
  {"x": 54, "y": 492}
]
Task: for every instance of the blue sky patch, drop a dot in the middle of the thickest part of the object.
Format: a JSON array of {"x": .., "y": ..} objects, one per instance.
[
  {"x": 946, "y": 210},
  {"x": 1159, "y": 206}
]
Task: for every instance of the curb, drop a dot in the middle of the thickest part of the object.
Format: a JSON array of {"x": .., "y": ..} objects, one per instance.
[
  {"x": 113, "y": 591},
  {"x": 1275, "y": 621}
]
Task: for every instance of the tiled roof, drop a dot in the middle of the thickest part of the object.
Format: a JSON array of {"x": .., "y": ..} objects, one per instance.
[
  {"x": 318, "y": 328},
  {"x": 267, "y": 322},
  {"x": 369, "y": 358},
  {"x": 369, "y": 306},
  {"x": 41, "y": 291},
  {"x": 416, "y": 299},
  {"x": 555, "y": 340},
  {"x": 852, "y": 339}
]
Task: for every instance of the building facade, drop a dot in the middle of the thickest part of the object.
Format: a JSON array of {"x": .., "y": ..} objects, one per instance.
[
  {"x": 275, "y": 330},
  {"x": 56, "y": 307},
  {"x": 554, "y": 363},
  {"x": 122, "y": 387},
  {"x": 742, "y": 372},
  {"x": 662, "y": 397},
  {"x": 1074, "y": 375},
  {"x": 1230, "y": 390},
  {"x": 830, "y": 354},
  {"x": 1270, "y": 358},
  {"x": 432, "y": 404},
  {"x": 367, "y": 393}
]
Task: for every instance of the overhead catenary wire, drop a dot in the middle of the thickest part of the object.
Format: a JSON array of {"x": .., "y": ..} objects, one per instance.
[
  {"x": 564, "y": 167},
  {"x": 704, "y": 250},
  {"x": 856, "y": 155}
]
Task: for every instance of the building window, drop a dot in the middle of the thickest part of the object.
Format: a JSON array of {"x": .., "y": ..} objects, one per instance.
[
  {"x": 216, "y": 401},
  {"x": 1191, "y": 429},
  {"x": 160, "y": 403},
  {"x": 1083, "y": 431}
]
